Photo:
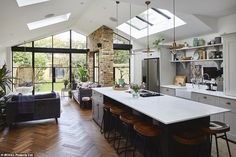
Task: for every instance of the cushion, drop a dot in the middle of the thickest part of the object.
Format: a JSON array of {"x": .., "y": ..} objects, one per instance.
[
  {"x": 85, "y": 84},
  {"x": 15, "y": 97},
  {"x": 85, "y": 98},
  {"x": 44, "y": 96},
  {"x": 93, "y": 85}
]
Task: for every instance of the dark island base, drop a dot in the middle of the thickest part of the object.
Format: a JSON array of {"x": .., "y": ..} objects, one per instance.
[{"x": 168, "y": 146}]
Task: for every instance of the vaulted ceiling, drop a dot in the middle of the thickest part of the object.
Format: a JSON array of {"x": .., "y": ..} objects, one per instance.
[{"x": 88, "y": 15}]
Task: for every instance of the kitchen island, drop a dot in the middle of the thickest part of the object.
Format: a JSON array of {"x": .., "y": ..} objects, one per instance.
[{"x": 172, "y": 113}]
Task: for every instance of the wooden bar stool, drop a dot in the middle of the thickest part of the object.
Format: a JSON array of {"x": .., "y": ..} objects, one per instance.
[
  {"x": 105, "y": 125},
  {"x": 218, "y": 128},
  {"x": 115, "y": 114},
  {"x": 147, "y": 131},
  {"x": 194, "y": 138},
  {"x": 128, "y": 120}
]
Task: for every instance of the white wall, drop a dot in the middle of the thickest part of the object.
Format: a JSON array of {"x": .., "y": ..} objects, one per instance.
[
  {"x": 227, "y": 24},
  {"x": 3, "y": 55}
]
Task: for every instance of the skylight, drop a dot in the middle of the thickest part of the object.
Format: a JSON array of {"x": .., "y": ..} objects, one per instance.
[
  {"x": 48, "y": 21},
  {"x": 22, "y": 3},
  {"x": 159, "y": 20}
]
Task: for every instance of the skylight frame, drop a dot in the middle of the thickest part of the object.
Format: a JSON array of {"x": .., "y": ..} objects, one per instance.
[
  {"x": 22, "y": 3},
  {"x": 140, "y": 26},
  {"x": 48, "y": 21},
  {"x": 156, "y": 28}
]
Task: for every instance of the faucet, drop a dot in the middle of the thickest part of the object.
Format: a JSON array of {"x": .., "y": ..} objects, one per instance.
[
  {"x": 208, "y": 83},
  {"x": 206, "y": 76}
]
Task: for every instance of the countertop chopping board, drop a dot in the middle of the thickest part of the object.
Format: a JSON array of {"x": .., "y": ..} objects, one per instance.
[{"x": 180, "y": 80}]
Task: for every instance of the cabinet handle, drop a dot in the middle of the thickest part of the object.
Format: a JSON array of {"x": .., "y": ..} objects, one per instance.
[
  {"x": 228, "y": 103},
  {"x": 205, "y": 97}
]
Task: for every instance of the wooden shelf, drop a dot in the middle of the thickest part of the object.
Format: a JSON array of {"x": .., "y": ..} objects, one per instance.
[
  {"x": 197, "y": 47},
  {"x": 200, "y": 60}
]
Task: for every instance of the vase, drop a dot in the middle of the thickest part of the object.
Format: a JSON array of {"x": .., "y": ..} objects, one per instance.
[
  {"x": 135, "y": 94},
  {"x": 121, "y": 81},
  {"x": 195, "y": 42}
]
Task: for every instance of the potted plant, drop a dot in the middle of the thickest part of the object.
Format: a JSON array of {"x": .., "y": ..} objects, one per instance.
[
  {"x": 70, "y": 90},
  {"x": 66, "y": 82},
  {"x": 5, "y": 80},
  {"x": 82, "y": 73},
  {"x": 135, "y": 88},
  {"x": 121, "y": 79},
  {"x": 157, "y": 42},
  {"x": 73, "y": 82}
]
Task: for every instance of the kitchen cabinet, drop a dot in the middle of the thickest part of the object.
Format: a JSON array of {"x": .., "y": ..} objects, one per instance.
[
  {"x": 97, "y": 107},
  {"x": 167, "y": 91},
  {"x": 230, "y": 117},
  {"x": 229, "y": 64},
  {"x": 210, "y": 100}
]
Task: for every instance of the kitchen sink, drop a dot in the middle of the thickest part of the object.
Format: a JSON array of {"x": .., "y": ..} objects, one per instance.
[{"x": 147, "y": 93}]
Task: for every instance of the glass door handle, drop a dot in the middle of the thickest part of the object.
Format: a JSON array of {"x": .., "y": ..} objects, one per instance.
[{"x": 53, "y": 74}]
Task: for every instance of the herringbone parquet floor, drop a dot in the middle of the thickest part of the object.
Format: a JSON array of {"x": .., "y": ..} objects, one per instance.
[{"x": 76, "y": 135}]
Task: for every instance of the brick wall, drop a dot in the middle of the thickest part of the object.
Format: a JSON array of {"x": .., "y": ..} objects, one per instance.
[{"x": 103, "y": 35}]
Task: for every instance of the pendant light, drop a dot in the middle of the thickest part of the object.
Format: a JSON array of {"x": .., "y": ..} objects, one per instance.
[
  {"x": 174, "y": 45},
  {"x": 130, "y": 28},
  {"x": 148, "y": 48},
  {"x": 117, "y": 20}
]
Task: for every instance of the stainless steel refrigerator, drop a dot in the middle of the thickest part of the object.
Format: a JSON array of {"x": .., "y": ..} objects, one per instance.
[{"x": 151, "y": 74}]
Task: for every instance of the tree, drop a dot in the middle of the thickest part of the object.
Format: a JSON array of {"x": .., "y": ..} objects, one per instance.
[
  {"x": 40, "y": 61},
  {"x": 121, "y": 57},
  {"x": 22, "y": 58},
  {"x": 25, "y": 58}
]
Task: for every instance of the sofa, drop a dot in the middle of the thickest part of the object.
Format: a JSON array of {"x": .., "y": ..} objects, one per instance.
[
  {"x": 21, "y": 108},
  {"x": 84, "y": 91}
]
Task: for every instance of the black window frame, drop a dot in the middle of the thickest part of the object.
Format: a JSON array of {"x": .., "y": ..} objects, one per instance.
[
  {"x": 95, "y": 66},
  {"x": 52, "y": 50}
]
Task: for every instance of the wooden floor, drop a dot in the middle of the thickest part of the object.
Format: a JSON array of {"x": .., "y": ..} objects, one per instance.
[{"x": 76, "y": 135}]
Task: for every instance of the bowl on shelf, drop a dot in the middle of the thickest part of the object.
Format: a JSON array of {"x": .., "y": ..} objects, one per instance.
[
  {"x": 196, "y": 55},
  {"x": 187, "y": 58}
]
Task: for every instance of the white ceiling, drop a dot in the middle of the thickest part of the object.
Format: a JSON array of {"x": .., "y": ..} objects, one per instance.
[{"x": 88, "y": 15}]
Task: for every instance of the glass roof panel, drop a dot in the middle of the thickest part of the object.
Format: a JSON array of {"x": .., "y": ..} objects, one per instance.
[
  {"x": 159, "y": 20},
  {"x": 154, "y": 17},
  {"x": 137, "y": 23}
]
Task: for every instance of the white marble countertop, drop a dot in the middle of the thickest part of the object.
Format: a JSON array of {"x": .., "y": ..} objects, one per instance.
[
  {"x": 165, "y": 109},
  {"x": 201, "y": 91}
]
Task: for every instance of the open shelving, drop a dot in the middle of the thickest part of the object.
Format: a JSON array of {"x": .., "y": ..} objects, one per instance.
[
  {"x": 188, "y": 52},
  {"x": 197, "y": 47},
  {"x": 199, "y": 60}
]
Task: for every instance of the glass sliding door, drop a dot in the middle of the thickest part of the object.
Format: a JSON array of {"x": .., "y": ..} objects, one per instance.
[
  {"x": 121, "y": 66},
  {"x": 23, "y": 72},
  {"x": 77, "y": 60},
  {"x": 43, "y": 72},
  {"x": 61, "y": 70}
]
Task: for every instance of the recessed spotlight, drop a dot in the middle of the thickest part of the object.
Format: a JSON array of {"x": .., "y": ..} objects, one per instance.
[
  {"x": 49, "y": 15},
  {"x": 113, "y": 19},
  {"x": 22, "y": 3}
]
